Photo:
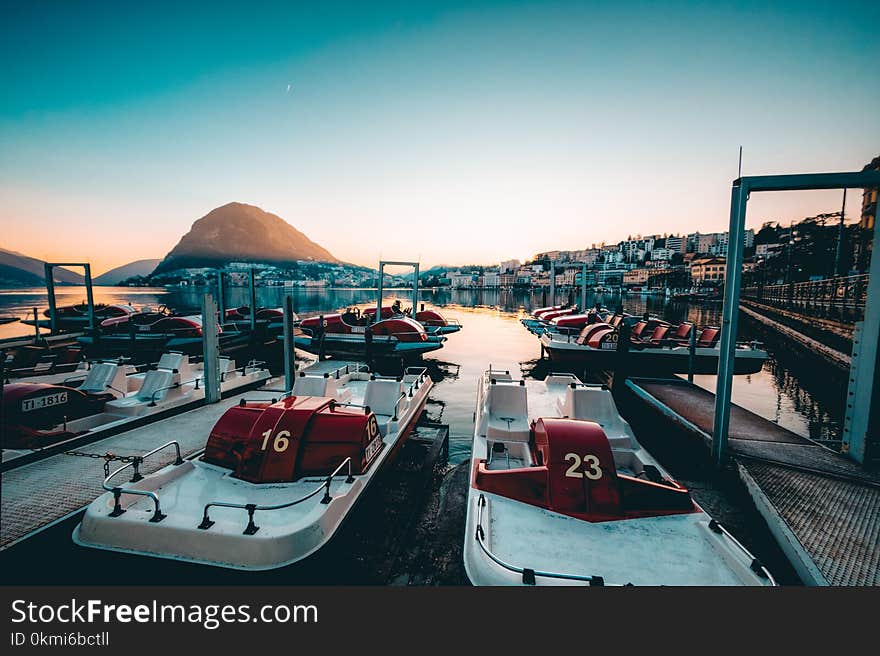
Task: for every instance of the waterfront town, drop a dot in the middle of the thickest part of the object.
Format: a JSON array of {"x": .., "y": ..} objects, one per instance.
[{"x": 827, "y": 245}]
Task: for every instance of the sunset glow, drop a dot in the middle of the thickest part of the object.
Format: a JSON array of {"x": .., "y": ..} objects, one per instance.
[{"x": 451, "y": 134}]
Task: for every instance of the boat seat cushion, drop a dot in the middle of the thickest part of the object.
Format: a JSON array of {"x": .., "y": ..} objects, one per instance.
[
  {"x": 507, "y": 410},
  {"x": 100, "y": 377},
  {"x": 382, "y": 396}
]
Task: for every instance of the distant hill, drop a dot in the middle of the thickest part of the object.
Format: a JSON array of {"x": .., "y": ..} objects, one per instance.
[
  {"x": 18, "y": 270},
  {"x": 120, "y": 273},
  {"x": 237, "y": 232}
]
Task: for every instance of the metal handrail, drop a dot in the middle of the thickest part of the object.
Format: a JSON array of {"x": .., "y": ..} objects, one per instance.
[
  {"x": 527, "y": 573},
  {"x": 136, "y": 463},
  {"x": 252, "y": 507},
  {"x": 756, "y": 564},
  {"x": 170, "y": 387}
]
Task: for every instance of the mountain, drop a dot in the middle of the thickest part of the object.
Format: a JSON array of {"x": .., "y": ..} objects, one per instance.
[
  {"x": 237, "y": 232},
  {"x": 120, "y": 273},
  {"x": 18, "y": 270}
]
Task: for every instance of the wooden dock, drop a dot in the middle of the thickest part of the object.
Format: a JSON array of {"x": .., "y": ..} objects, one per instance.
[{"x": 822, "y": 508}]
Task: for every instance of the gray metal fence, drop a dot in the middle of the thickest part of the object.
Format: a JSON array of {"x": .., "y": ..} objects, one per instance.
[{"x": 840, "y": 297}]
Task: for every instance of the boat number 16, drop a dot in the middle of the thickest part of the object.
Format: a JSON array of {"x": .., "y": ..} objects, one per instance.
[
  {"x": 280, "y": 443},
  {"x": 592, "y": 470}
]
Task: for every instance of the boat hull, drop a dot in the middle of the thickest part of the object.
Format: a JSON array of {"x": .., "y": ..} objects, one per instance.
[{"x": 651, "y": 361}]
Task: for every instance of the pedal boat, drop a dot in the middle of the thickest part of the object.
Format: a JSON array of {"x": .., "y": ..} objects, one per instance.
[
  {"x": 561, "y": 493},
  {"x": 355, "y": 335},
  {"x": 433, "y": 322},
  {"x": 276, "y": 480},
  {"x": 107, "y": 395},
  {"x": 596, "y": 347}
]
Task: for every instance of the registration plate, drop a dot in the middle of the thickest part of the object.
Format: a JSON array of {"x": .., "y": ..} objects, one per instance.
[
  {"x": 40, "y": 402},
  {"x": 373, "y": 448},
  {"x": 609, "y": 346}
]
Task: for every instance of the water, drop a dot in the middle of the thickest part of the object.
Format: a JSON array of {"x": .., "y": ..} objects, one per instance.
[{"x": 789, "y": 390}]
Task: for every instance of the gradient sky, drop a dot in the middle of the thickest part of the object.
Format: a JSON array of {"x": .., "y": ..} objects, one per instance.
[{"x": 449, "y": 132}]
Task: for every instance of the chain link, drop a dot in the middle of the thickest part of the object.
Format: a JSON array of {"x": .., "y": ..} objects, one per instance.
[{"x": 108, "y": 457}]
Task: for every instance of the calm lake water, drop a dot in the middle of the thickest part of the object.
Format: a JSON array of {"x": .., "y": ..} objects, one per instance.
[{"x": 790, "y": 390}]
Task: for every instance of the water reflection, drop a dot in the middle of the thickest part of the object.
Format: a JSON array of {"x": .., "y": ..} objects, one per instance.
[{"x": 788, "y": 390}]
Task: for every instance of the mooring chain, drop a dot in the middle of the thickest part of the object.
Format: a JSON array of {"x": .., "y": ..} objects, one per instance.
[{"x": 108, "y": 457}]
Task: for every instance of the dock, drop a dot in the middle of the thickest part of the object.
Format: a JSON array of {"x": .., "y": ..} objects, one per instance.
[
  {"x": 822, "y": 508},
  {"x": 42, "y": 492}
]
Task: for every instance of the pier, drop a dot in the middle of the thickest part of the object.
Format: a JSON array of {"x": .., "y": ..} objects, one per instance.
[{"x": 823, "y": 509}]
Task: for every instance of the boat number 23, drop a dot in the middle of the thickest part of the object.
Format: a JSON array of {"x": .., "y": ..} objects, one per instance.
[
  {"x": 280, "y": 443},
  {"x": 590, "y": 463}
]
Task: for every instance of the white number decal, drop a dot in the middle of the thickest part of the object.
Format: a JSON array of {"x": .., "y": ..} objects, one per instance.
[
  {"x": 594, "y": 473},
  {"x": 575, "y": 463},
  {"x": 280, "y": 443}
]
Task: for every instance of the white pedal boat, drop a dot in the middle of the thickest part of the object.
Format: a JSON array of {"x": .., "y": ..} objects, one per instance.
[
  {"x": 276, "y": 480},
  {"x": 561, "y": 493},
  {"x": 106, "y": 395}
]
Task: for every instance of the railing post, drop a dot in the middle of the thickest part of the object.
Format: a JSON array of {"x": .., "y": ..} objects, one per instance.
[
  {"x": 251, "y": 527},
  {"x": 210, "y": 349}
]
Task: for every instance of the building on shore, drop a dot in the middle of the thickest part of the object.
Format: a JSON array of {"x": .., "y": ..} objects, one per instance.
[{"x": 708, "y": 271}]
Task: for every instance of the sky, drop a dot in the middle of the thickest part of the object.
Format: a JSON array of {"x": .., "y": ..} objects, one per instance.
[{"x": 446, "y": 132}]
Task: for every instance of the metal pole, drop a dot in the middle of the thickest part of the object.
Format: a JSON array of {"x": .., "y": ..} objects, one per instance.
[
  {"x": 36, "y": 326},
  {"x": 210, "y": 349},
  {"x": 90, "y": 295},
  {"x": 729, "y": 316},
  {"x": 221, "y": 302},
  {"x": 836, "y": 270},
  {"x": 692, "y": 352},
  {"x": 379, "y": 299},
  {"x": 289, "y": 354},
  {"x": 415, "y": 301},
  {"x": 552, "y": 284},
  {"x": 861, "y": 433},
  {"x": 253, "y": 302},
  {"x": 584, "y": 287},
  {"x": 50, "y": 291}
]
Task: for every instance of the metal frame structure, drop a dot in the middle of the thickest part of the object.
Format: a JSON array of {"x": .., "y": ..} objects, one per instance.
[
  {"x": 415, "y": 292},
  {"x": 862, "y": 399},
  {"x": 50, "y": 289}
]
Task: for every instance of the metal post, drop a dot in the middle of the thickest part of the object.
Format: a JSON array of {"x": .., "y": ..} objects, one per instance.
[
  {"x": 50, "y": 291},
  {"x": 861, "y": 433},
  {"x": 552, "y": 284},
  {"x": 692, "y": 352},
  {"x": 37, "y": 326},
  {"x": 621, "y": 357},
  {"x": 221, "y": 301},
  {"x": 837, "y": 252},
  {"x": 289, "y": 354},
  {"x": 584, "y": 287},
  {"x": 729, "y": 316},
  {"x": 90, "y": 295},
  {"x": 379, "y": 297},
  {"x": 253, "y": 302},
  {"x": 415, "y": 301},
  {"x": 210, "y": 349}
]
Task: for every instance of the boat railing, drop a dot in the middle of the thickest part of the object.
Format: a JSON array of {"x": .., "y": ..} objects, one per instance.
[
  {"x": 252, "y": 364},
  {"x": 251, "y": 508},
  {"x": 135, "y": 463},
  {"x": 528, "y": 574},
  {"x": 755, "y": 565},
  {"x": 197, "y": 380}
]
